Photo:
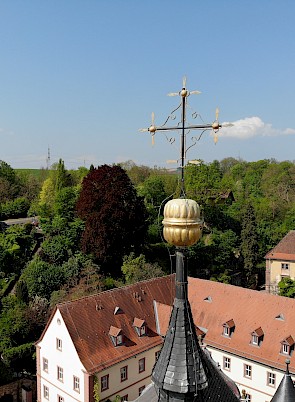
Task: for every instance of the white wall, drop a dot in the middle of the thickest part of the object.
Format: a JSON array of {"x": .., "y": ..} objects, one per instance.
[
  {"x": 256, "y": 386},
  {"x": 67, "y": 358},
  {"x": 135, "y": 379}
]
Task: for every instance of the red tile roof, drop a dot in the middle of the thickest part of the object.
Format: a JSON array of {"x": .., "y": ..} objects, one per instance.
[
  {"x": 258, "y": 332},
  {"x": 114, "y": 331},
  {"x": 89, "y": 325},
  {"x": 138, "y": 322},
  {"x": 285, "y": 249},
  {"x": 230, "y": 324},
  {"x": 249, "y": 309},
  {"x": 289, "y": 340}
]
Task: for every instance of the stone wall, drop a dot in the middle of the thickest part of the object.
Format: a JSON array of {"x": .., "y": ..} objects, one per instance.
[{"x": 15, "y": 389}]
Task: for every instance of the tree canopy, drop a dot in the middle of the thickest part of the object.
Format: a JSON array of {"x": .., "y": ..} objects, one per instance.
[{"x": 115, "y": 216}]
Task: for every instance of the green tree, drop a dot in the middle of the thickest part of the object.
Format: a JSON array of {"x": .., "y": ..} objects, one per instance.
[
  {"x": 137, "y": 269},
  {"x": 137, "y": 174},
  {"x": 65, "y": 202},
  {"x": 16, "y": 247},
  {"x": 249, "y": 244},
  {"x": 14, "y": 328},
  {"x": 61, "y": 177},
  {"x": 287, "y": 287},
  {"x": 46, "y": 198},
  {"x": 9, "y": 183},
  {"x": 42, "y": 278},
  {"x": 202, "y": 180},
  {"x": 56, "y": 249},
  {"x": 20, "y": 358},
  {"x": 153, "y": 190}
]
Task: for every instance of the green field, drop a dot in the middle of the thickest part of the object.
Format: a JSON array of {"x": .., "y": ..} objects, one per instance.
[{"x": 40, "y": 174}]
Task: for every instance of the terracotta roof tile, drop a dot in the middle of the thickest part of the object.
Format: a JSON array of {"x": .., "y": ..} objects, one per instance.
[
  {"x": 230, "y": 324},
  {"x": 89, "y": 326},
  {"x": 249, "y": 309},
  {"x": 289, "y": 340},
  {"x": 258, "y": 332},
  {"x": 137, "y": 322},
  {"x": 115, "y": 331},
  {"x": 285, "y": 249}
]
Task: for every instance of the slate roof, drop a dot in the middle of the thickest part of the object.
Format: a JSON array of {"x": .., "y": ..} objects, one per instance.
[
  {"x": 285, "y": 249},
  {"x": 184, "y": 366},
  {"x": 286, "y": 390},
  {"x": 179, "y": 367},
  {"x": 220, "y": 387},
  {"x": 250, "y": 310}
]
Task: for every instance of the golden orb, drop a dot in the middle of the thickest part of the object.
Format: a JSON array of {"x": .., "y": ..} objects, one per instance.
[
  {"x": 183, "y": 92},
  {"x": 182, "y": 223}
]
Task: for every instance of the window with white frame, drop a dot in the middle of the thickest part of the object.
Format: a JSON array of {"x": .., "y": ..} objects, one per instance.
[
  {"x": 141, "y": 365},
  {"x": 76, "y": 383},
  {"x": 58, "y": 344},
  {"x": 226, "y": 331},
  {"x": 285, "y": 348},
  {"x": 124, "y": 373},
  {"x": 247, "y": 371},
  {"x": 287, "y": 345},
  {"x": 60, "y": 398},
  {"x": 104, "y": 382},
  {"x": 60, "y": 373},
  {"x": 124, "y": 398},
  {"x": 45, "y": 364},
  {"x": 117, "y": 340},
  {"x": 271, "y": 379},
  {"x": 228, "y": 328},
  {"x": 254, "y": 339},
  {"x": 45, "y": 392},
  {"x": 248, "y": 398},
  {"x": 285, "y": 265},
  {"x": 226, "y": 363}
]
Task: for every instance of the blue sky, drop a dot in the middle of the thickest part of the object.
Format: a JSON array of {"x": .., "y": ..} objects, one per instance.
[{"x": 82, "y": 76}]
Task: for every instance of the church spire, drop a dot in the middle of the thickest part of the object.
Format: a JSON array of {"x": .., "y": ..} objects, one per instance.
[
  {"x": 183, "y": 371},
  {"x": 286, "y": 390}
]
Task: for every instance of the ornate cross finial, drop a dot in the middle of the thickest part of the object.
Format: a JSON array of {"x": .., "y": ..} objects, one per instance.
[{"x": 184, "y": 93}]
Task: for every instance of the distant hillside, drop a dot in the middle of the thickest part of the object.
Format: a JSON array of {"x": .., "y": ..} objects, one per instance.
[{"x": 40, "y": 174}]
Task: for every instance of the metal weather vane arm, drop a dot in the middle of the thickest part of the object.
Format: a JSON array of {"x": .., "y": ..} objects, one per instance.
[{"x": 215, "y": 126}]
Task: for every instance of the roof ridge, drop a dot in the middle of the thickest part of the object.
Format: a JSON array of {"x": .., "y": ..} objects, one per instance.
[{"x": 120, "y": 288}]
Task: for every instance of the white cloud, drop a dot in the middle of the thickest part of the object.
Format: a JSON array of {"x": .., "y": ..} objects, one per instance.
[{"x": 253, "y": 127}]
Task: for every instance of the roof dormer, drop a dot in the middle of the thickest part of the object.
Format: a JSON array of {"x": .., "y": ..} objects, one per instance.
[
  {"x": 140, "y": 326},
  {"x": 287, "y": 345},
  {"x": 257, "y": 337},
  {"x": 116, "y": 336},
  {"x": 228, "y": 328}
]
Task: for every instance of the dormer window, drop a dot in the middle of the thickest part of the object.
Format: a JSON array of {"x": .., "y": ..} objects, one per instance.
[
  {"x": 287, "y": 345},
  {"x": 228, "y": 328},
  {"x": 116, "y": 336},
  {"x": 257, "y": 336},
  {"x": 140, "y": 326},
  {"x": 254, "y": 339}
]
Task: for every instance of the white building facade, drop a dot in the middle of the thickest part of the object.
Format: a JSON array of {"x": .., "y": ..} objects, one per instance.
[{"x": 107, "y": 344}]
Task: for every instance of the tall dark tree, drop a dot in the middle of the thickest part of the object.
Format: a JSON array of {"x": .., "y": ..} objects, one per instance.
[
  {"x": 115, "y": 216},
  {"x": 61, "y": 176},
  {"x": 249, "y": 244}
]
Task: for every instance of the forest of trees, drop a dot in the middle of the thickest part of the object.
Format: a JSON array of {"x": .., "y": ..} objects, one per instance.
[{"x": 101, "y": 227}]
